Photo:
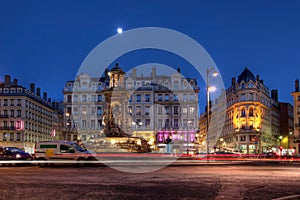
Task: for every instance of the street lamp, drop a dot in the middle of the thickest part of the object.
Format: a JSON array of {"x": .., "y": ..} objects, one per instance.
[
  {"x": 221, "y": 145},
  {"x": 209, "y": 89},
  {"x": 136, "y": 123},
  {"x": 68, "y": 124}
]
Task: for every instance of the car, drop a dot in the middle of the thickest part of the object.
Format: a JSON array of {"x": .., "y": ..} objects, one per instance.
[
  {"x": 61, "y": 151},
  {"x": 14, "y": 153}
]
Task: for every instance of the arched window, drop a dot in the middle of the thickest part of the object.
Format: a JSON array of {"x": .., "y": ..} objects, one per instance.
[
  {"x": 243, "y": 86},
  {"x": 243, "y": 113},
  {"x": 251, "y": 112}
]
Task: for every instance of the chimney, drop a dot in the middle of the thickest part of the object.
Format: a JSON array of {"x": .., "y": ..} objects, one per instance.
[
  {"x": 274, "y": 95},
  {"x": 38, "y": 92},
  {"x": 297, "y": 85},
  {"x": 134, "y": 73},
  {"x": 178, "y": 70},
  {"x": 32, "y": 88},
  {"x": 45, "y": 96},
  {"x": 233, "y": 81},
  {"x": 15, "y": 82},
  {"x": 262, "y": 81},
  {"x": 153, "y": 72},
  {"x": 49, "y": 100},
  {"x": 257, "y": 78},
  {"x": 7, "y": 79}
]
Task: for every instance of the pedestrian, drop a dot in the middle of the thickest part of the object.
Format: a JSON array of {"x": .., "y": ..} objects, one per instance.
[{"x": 169, "y": 145}]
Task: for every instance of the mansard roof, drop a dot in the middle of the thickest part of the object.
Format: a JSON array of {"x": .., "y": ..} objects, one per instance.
[{"x": 246, "y": 76}]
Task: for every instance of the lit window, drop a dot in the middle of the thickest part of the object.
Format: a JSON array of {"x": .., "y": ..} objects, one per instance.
[
  {"x": 138, "y": 98},
  {"x": 166, "y": 97},
  {"x": 147, "y": 97},
  {"x": 159, "y": 97},
  {"x": 138, "y": 110}
]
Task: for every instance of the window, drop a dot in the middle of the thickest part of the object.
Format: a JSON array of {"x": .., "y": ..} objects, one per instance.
[
  {"x": 176, "y": 124},
  {"x": 5, "y": 102},
  {"x": 166, "y": 97},
  {"x": 176, "y": 110},
  {"x": 147, "y": 122},
  {"x": 159, "y": 123},
  {"x": 99, "y": 98},
  {"x": 176, "y": 85},
  {"x": 12, "y": 113},
  {"x": 130, "y": 110},
  {"x": 167, "y": 123},
  {"x": 66, "y": 149},
  {"x": 298, "y": 98},
  {"x": 5, "y": 113},
  {"x": 251, "y": 112},
  {"x": 184, "y": 110},
  {"x": 184, "y": 97},
  {"x": 75, "y": 98},
  {"x": 147, "y": 97},
  {"x": 11, "y": 137},
  {"x": 243, "y": 138},
  {"x": 69, "y": 98},
  {"x": 83, "y": 98},
  {"x": 298, "y": 109},
  {"x": 99, "y": 110},
  {"x": 192, "y": 97},
  {"x": 175, "y": 97},
  {"x": 12, "y": 124},
  {"x": 243, "y": 113},
  {"x": 147, "y": 110},
  {"x": 138, "y": 110},
  {"x": 243, "y": 86},
  {"x": 159, "y": 97},
  {"x": 192, "y": 110},
  {"x": 83, "y": 123},
  {"x": 167, "y": 109},
  {"x": 12, "y": 102},
  {"x": 138, "y": 98},
  {"x": 19, "y": 102},
  {"x": 18, "y": 136}
]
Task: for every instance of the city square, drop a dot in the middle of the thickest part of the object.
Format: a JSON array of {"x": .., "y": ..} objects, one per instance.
[{"x": 149, "y": 100}]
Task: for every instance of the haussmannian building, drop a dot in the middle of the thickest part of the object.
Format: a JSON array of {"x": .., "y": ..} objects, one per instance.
[
  {"x": 251, "y": 118},
  {"x": 156, "y": 106},
  {"x": 27, "y": 117},
  {"x": 296, "y": 95}
]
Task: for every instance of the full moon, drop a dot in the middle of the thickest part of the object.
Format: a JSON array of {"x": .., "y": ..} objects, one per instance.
[{"x": 120, "y": 30}]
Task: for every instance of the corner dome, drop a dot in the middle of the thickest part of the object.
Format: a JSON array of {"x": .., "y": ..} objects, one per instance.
[{"x": 246, "y": 76}]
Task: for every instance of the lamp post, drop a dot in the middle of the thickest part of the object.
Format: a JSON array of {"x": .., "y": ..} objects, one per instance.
[
  {"x": 209, "y": 89},
  {"x": 68, "y": 125},
  {"x": 136, "y": 123}
]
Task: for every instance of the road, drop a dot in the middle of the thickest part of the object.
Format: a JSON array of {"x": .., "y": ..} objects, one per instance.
[{"x": 205, "y": 181}]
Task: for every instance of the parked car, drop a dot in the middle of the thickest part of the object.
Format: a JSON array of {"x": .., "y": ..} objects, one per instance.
[{"x": 14, "y": 153}]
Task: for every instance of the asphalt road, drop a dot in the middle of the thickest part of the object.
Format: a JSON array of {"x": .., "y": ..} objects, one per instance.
[{"x": 206, "y": 181}]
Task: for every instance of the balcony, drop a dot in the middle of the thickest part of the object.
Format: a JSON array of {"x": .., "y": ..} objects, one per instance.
[
  {"x": 7, "y": 128},
  {"x": 3, "y": 116}
]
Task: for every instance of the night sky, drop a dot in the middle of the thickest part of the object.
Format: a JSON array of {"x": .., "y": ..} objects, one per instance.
[{"x": 45, "y": 42}]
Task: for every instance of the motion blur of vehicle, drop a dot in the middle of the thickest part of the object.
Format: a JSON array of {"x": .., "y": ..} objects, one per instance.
[
  {"x": 13, "y": 153},
  {"x": 61, "y": 150}
]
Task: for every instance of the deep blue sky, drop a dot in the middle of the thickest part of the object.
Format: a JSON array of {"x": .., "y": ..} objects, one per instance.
[{"x": 45, "y": 42}]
